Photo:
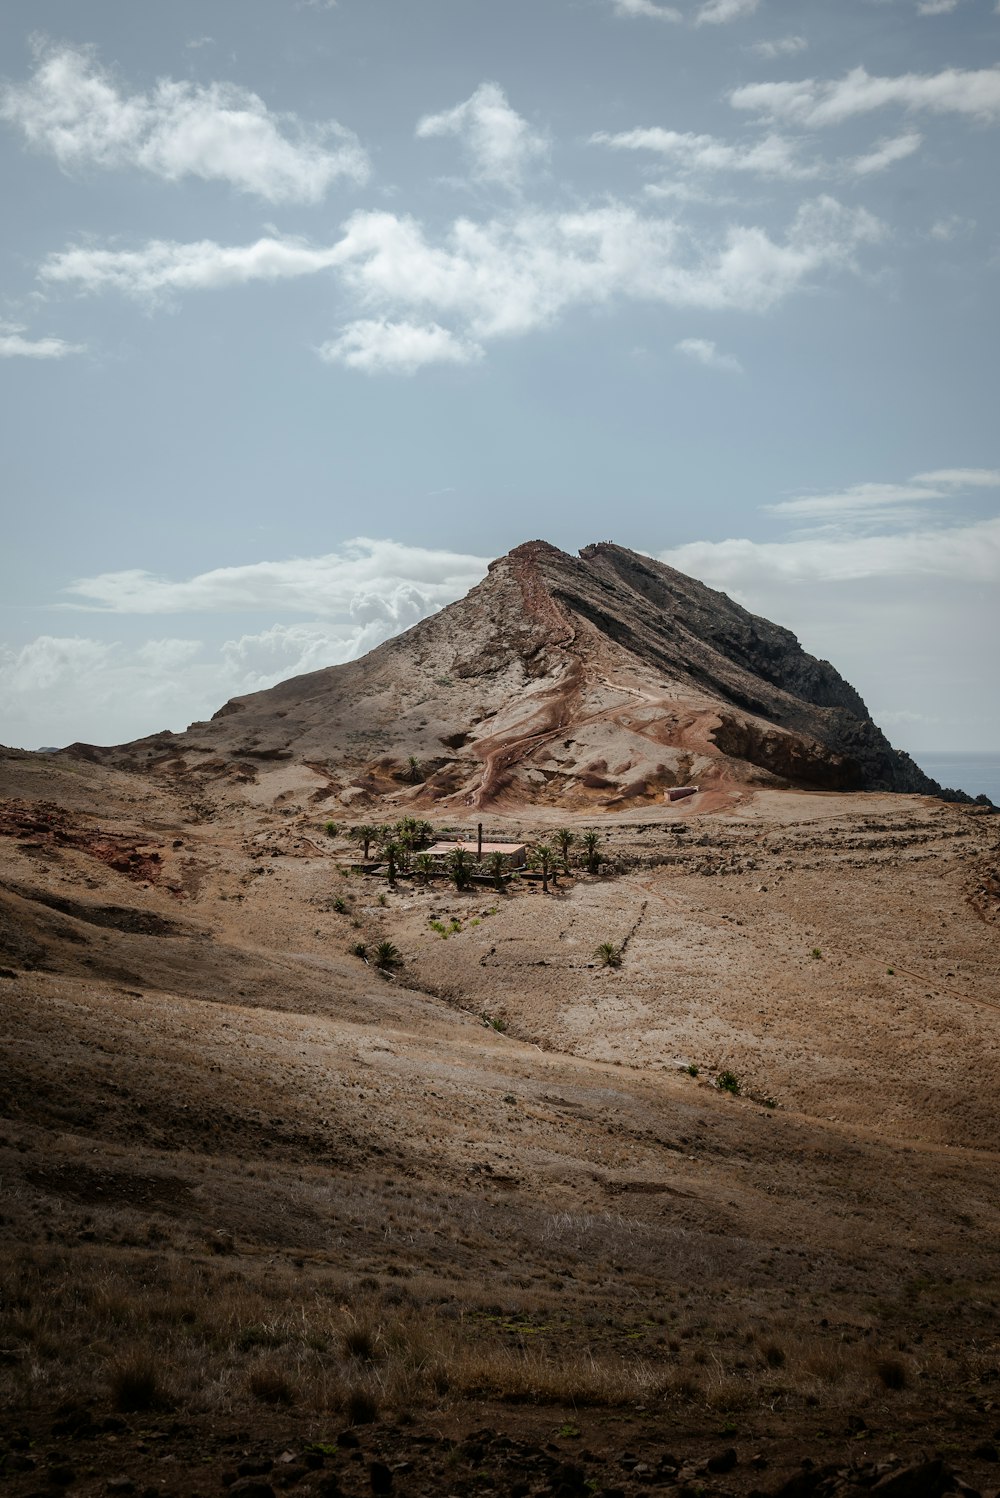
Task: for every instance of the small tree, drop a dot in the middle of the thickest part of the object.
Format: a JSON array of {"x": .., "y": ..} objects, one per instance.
[
  {"x": 425, "y": 867},
  {"x": 541, "y": 859},
  {"x": 413, "y": 773},
  {"x": 388, "y": 955},
  {"x": 391, "y": 854},
  {"x": 497, "y": 868},
  {"x": 458, "y": 867},
  {"x": 590, "y": 841},
  {"x": 565, "y": 837},
  {"x": 364, "y": 834}
]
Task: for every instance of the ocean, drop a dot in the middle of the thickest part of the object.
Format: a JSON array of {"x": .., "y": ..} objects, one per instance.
[{"x": 977, "y": 774}]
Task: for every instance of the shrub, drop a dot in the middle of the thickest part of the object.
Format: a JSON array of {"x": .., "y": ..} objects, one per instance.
[
  {"x": 608, "y": 954},
  {"x": 891, "y": 1373},
  {"x": 340, "y": 905},
  {"x": 360, "y": 950},
  {"x": 692, "y": 1070},
  {"x": 360, "y": 1406},
  {"x": 816, "y": 954},
  {"x": 135, "y": 1384},
  {"x": 359, "y": 1342},
  {"x": 331, "y": 829},
  {"x": 728, "y": 1081},
  {"x": 270, "y": 1385},
  {"x": 388, "y": 955}
]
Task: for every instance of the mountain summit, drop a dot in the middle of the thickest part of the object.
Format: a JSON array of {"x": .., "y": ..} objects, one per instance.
[{"x": 592, "y": 681}]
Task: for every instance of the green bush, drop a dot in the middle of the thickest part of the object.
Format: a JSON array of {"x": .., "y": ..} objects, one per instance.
[{"x": 608, "y": 954}]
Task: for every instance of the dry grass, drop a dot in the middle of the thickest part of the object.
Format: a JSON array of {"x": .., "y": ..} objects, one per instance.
[{"x": 156, "y": 1329}]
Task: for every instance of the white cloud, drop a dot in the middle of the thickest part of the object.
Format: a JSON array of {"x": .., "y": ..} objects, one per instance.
[
  {"x": 13, "y": 345},
  {"x": 886, "y": 154},
  {"x": 781, "y": 46},
  {"x": 970, "y": 553},
  {"x": 936, "y": 7},
  {"x": 165, "y": 266},
  {"x": 857, "y": 502},
  {"x": 72, "y": 108},
  {"x": 509, "y": 275},
  {"x": 719, "y": 12},
  {"x": 708, "y": 13},
  {"x": 773, "y": 156},
  {"x": 647, "y": 8},
  {"x": 704, "y": 351},
  {"x": 377, "y": 346},
  {"x": 882, "y": 503},
  {"x": 366, "y": 579},
  {"x": 500, "y": 143},
  {"x": 961, "y": 478},
  {"x": 813, "y": 102}
]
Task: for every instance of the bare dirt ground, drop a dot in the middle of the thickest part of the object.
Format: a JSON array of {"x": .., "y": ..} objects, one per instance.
[{"x": 488, "y": 1223}]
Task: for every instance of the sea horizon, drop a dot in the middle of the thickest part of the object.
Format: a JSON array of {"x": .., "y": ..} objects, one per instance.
[{"x": 976, "y": 772}]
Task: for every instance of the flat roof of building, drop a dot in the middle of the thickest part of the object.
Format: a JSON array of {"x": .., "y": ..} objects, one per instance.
[{"x": 472, "y": 846}]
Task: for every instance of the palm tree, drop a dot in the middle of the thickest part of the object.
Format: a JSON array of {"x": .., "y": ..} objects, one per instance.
[
  {"x": 425, "y": 867},
  {"x": 541, "y": 858},
  {"x": 590, "y": 841},
  {"x": 497, "y": 868},
  {"x": 365, "y": 835},
  {"x": 424, "y": 834},
  {"x": 413, "y": 774},
  {"x": 388, "y": 955},
  {"x": 458, "y": 867},
  {"x": 391, "y": 852},
  {"x": 565, "y": 838},
  {"x": 406, "y": 829},
  {"x": 608, "y": 955}
]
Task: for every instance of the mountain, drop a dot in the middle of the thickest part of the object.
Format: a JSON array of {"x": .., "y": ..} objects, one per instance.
[{"x": 591, "y": 681}]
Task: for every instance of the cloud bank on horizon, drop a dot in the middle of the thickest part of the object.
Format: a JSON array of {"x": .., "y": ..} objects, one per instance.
[{"x": 674, "y": 267}]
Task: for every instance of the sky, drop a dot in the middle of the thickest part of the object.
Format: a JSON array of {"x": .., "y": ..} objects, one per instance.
[{"x": 310, "y": 309}]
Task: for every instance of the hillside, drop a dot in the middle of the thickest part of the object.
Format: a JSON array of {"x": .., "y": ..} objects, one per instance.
[{"x": 589, "y": 682}]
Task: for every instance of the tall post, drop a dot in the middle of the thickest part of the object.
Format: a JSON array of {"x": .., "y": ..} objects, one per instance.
[{"x": 479, "y": 844}]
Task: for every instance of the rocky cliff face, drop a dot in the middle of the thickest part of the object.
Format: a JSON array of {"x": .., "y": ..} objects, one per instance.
[{"x": 590, "y": 681}]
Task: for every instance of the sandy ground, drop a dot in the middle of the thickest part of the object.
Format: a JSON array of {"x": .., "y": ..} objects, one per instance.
[{"x": 503, "y": 1142}]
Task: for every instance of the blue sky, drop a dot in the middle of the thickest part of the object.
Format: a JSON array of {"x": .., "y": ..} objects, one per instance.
[{"x": 307, "y": 310}]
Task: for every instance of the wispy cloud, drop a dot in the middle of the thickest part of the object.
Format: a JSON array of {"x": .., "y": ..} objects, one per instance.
[
  {"x": 868, "y": 504},
  {"x": 719, "y": 12},
  {"x": 708, "y": 13},
  {"x": 812, "y": 102},
  {"x": 73, "y": 109},
  {"x": 969, "y": 552},
  {"x": 14, "y": 345},
  {"x": 380, "y": 347},
  {"x": 886, "y": 154},
  {"x": 773, "y": 156},
  {"x": 648, "y": 8},
  {"x": 506, "y": 276},
  {"x": 704, "y": 351},
  {"x": 500, "y": 144},
  {"x": 366, "y": 581},
  {"x": 780, "y": 46}
]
